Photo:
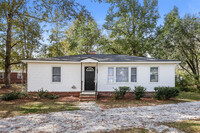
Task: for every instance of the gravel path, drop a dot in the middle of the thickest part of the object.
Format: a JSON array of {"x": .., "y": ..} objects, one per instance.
[{"x": 92, "y": 118}]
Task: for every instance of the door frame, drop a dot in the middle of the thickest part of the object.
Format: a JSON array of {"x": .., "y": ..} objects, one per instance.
[{"x": 95, "y": 77}]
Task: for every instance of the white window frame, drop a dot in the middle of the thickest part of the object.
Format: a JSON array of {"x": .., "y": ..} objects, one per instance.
[
  {"x": 56, "y": 75},
  {"x": 19, "y": 75},
  {"x": 2, "y": 75},
  {"x": 116, "y": 74},
  {"x": 151, "y": 74},
  {"x": 111, "y": 75},
  {"x": 135, "y": 75}
]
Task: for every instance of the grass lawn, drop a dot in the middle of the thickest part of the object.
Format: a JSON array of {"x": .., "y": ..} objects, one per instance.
[
  {"x": 188, "y": 126},
  {"x": 111, "y": 103},
  {"x": 23, "y": 107}
]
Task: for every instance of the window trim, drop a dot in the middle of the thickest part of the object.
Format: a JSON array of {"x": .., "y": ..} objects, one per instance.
[
  {"x": 157, "y": 74},
  {"x": 109, "y": 75},
  {"x": 20, "y": 74},
  {"x": 136, "y": 75},
  {"x": 116, "y": 74},
  {"x": 2, "y": 75},
  {"x": 56, "y": 75}
]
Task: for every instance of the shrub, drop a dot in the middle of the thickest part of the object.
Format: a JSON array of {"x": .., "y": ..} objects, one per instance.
[
  {"x": 42, "y": 94},
  {"x": 11, "y": 96},
  {"x": 139, "y": 92},
  {"x": 53, "y": 96},
  {"x": 45, "y": 94},
  {"x": 164, "y": 93},
  {"x": 120, "y": 93}
]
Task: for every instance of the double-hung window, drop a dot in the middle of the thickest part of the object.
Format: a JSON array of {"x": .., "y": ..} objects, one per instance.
[
  {"x": 133, "y": 74},
  {"x": 154, "y": 74},
  {"x": 19, "y": 75},
  {"x": 122, "y": 74},
  {"x": 56, "y": 74},
  {"x": 1, "y": 75},
  {"x": 111, "y": 75}
]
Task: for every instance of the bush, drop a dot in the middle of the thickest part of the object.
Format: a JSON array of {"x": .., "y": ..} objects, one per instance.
[
  {"x": 120, "y": 93},
  {"x": 11, "y": 96},
  {"x": 42, "y": 94},
  {"x": 45, "y": 94},
  {"x": 53, "y": 96},
  {"x": 186, "y": 83},
  {"x": 164, "y": 93},
  {"x": 139, "y": 92}
]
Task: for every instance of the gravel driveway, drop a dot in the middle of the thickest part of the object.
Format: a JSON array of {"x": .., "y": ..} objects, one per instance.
[{"x": 92, "y": 118}]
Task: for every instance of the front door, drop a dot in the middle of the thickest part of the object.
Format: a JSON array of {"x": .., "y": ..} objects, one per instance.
[{"x": 89, "y": 78}]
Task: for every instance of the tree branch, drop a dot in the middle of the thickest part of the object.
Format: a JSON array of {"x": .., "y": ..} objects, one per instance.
[{"x": 15, "y": 63}]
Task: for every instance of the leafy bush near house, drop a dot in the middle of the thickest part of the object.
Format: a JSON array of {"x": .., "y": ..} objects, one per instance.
[
  {"x": 45, "y": 94},
  {"x": 164, "y": 93},
  {"x": 120, "y": 92},
  {"x": 139, "y": 92},
  {"x": 186, "y": 83},
  {"x": 11, "y": 96},
  {"x": 42, "y": 93}
]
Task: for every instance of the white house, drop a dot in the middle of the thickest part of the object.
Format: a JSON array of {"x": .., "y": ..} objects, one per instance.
[{"x": 99, "y": 73}]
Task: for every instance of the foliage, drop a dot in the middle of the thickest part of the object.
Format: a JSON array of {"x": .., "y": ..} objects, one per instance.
[
  {"x": 82, "y": 36},
  {"x": 11, "y": 96},
  {"x": 19, "y": 25},
  {"x": 131, "y": 26},
  {"x": 120, "y": 93},
  {"x": 186, "y": 83},
  {"x": 42, "y": 93},
  {"x": 165, "y": 93},
  {"x": 179, "y": 39},
  {"x": 45, "y": 94},
  {"x": 139, "y": 92}
]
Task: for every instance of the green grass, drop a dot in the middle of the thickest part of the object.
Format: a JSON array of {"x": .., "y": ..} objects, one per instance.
[
  {"x": 188, "y": 126},
  {"x": 189, "y": 96},
  {"x": 8, "y": 109}
]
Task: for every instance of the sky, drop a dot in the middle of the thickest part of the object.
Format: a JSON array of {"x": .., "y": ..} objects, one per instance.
[{"x": 99, "y": 11}]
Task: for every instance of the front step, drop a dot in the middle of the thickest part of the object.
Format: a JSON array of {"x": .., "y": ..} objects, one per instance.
[{"x": 87, "y": 96}]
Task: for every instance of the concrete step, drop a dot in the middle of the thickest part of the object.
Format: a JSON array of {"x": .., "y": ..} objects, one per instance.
[
  {"x": 84, "y": 100},
  {"x": 86, "y": 96}
]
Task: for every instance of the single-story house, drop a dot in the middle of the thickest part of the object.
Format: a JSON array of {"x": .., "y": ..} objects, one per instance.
[
  {"x": 99, "y": 73},
  {"x": 16, "y": 77}
]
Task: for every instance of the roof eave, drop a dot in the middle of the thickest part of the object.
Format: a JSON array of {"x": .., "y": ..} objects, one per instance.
[{"x": 138, "y": 62}]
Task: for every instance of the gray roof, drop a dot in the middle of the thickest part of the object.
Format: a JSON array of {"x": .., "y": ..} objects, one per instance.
[{"x": 104, "y": 58}]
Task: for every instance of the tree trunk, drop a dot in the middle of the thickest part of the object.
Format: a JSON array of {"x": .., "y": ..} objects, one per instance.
[{"x": 8, "y": 52}]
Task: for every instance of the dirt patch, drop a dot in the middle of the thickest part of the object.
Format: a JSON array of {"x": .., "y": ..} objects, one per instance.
[{"x": 106, "y": 102}]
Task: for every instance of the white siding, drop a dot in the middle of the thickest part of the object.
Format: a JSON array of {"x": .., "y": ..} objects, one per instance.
[
  {"x": 166, "y": 76},
  {"x": 40, "y": 76}
]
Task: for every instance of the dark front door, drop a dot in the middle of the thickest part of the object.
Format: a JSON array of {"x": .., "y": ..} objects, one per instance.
[{"x": 89, "y": 78}]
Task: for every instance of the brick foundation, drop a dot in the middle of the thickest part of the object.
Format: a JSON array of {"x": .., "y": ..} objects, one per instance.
[
  {"x": 100, "y": 94},
  {"x": 128, "y": 94},
  {"x": 62, "y": 94}
]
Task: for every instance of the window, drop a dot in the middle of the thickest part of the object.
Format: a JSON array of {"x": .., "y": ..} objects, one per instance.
[
  {"x": 1, "y": 75},
  {"x": 133, "y": 74},
  {"x": 19, "y": 75},
  {"x": 122, "y": 74},
  {"x": 56, "y": 74},
  {"x": 110, "y": 75},
  {"x": 154, "y": 74}
]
